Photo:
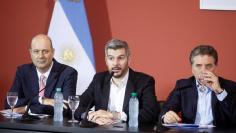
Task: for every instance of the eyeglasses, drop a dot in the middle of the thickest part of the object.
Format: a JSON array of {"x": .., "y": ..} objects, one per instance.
[{"x": 36, "y": 51}]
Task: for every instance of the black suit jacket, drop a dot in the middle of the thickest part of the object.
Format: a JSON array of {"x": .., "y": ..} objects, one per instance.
[
  {"x": 98, "y": 92},
  {"x": 185, "y": 96},
  {"x": 26, "y": 83}
]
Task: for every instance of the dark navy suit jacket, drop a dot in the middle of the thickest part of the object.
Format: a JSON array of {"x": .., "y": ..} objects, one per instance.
[
  {"x": 185, "y": 96},
  {"x": 26, "y": 83},
  {"x": 98, "y": 92}
]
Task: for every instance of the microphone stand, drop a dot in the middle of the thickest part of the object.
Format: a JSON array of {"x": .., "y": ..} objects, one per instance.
[
  {"x": 26, "y": 116},
  {"x": 85, "y": 123}
]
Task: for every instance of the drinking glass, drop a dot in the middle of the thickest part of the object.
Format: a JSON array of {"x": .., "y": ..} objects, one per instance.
[
  {"x": 12, "y": 98},
  {"x": 73, "y": 102},
  {"x": 201, "y": 82}
]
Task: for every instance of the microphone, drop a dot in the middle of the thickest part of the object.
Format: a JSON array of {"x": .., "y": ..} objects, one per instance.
[
  {"x": 110, "y": 76},
  {"x": 26, "y": 116},
  {"x": 85, "y": 123}
]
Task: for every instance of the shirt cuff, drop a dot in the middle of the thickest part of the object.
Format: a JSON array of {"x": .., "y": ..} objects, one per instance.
[
  {"x": 222, "y": 95},
  {"x": 26, "y": 109},
  {"x": 162, "y": 120},
  {"x": 123, "y": 116},
  {"x": 40, "y": 100}
]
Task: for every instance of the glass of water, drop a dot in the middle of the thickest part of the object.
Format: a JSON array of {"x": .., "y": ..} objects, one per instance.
[
  {"x": 201, "y": 82},
  {"x": 73, "y": 102},
  {"x": 12, "y": 98}
]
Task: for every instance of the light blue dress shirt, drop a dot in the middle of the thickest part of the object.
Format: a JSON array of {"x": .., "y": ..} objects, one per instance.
[{"x": 204, "y": 109}]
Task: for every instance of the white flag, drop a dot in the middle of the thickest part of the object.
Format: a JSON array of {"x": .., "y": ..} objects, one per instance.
[{"x": 72, "y": 41}]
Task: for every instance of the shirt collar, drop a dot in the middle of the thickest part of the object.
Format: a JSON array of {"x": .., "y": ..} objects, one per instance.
[
  {"x": 198, "y": 87},
  {"x": 46, "y": 74},
  {"x": 123, "y": 82}
]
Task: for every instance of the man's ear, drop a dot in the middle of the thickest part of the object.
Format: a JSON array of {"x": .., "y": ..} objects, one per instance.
[
  {"x": 53, "y": 51},
  {"x": 105, "y": 60}
]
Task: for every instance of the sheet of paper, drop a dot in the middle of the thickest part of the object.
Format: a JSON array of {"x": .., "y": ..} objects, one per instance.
[
  {"x": 40, "y": 115},
  {"x": 7, "y": 113},
  {"x": 188, "y": 125}
]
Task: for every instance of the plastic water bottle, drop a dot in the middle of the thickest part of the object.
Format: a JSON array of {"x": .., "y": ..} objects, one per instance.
[
  {"x": 133, "y": 110},
  {"x": 58, "y": 105}
]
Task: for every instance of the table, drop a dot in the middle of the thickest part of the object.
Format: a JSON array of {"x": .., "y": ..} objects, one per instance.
[{"x": 47, "y": 125}]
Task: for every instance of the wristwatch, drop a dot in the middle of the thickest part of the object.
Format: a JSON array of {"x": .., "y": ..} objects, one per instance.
[{"x": 43, "y": 100}]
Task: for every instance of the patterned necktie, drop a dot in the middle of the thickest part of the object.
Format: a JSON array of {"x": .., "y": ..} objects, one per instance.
[{"x": 41, "y": 85}]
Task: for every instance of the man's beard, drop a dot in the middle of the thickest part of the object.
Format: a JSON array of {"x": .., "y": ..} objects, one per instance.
[{"x": 121, "y": 74}]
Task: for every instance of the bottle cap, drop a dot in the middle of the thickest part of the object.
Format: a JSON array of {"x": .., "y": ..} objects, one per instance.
[
  {"x": 133, "y": 94},
  {"x": 58, "y": 89}
]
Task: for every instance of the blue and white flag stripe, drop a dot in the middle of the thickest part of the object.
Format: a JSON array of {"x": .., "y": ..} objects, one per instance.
[{"x": 72, "y": 41}]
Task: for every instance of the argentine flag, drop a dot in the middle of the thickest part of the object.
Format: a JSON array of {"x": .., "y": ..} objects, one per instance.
[{"x": 72, "y": 41}]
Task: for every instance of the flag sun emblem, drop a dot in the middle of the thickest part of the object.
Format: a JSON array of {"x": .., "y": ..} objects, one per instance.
[{"x": 68, "y": 55}]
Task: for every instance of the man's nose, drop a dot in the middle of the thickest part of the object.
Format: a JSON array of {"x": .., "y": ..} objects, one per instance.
[
  {"x": 115, "y": 62},
  {"x": 204, "y": 68},
  {"x": 41, "y": 54}
]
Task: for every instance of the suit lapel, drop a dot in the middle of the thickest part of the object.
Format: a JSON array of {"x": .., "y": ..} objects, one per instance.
[
  {"x": 34, "y": 80},
  {"x": 105, "y": 92},
  {"x": 129, "y": 88},
  {"x": 213, "y": 104},
  {"x": 52, "y": 80},
  {"x": 192, "y": 92},
  {"x": 194, "y": 98}
]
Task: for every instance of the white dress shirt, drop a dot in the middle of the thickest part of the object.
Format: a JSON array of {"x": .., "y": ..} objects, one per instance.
[
  {"x": 117, "y": 94},
  {"x": 204, "y": 108}
]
